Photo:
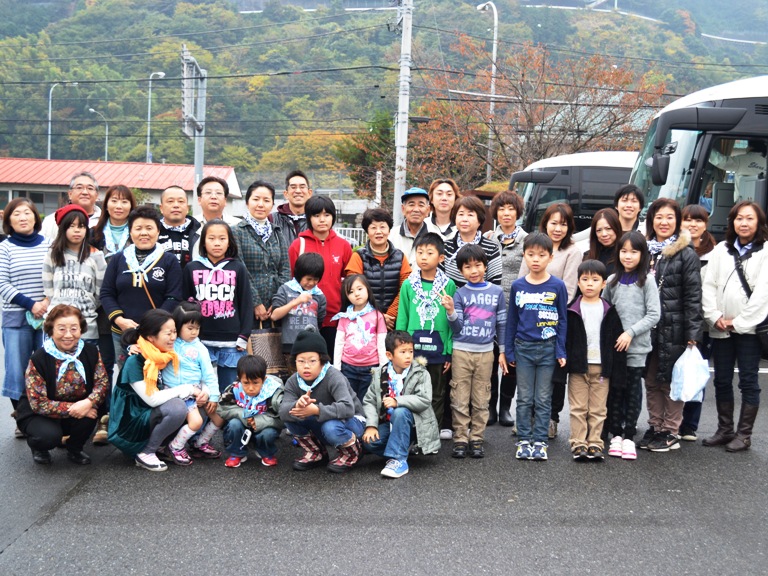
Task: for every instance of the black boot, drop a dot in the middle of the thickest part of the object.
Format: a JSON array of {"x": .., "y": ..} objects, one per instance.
[
  {"x": 493, "y": 416},
  {"x": 743, "y": 439},
  {"x": 505, "y": 418},
  {"x": 724, "y": 433}
]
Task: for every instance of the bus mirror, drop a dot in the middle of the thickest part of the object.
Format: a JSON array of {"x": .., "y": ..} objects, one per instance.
[
  {"x": 535, "y": 176},
  {"x": 659, "y": 169},
  {"x": 696, "y": 118}
]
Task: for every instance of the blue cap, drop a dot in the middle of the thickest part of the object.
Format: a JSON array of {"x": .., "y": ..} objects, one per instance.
[{"x": 414, "y": 192}]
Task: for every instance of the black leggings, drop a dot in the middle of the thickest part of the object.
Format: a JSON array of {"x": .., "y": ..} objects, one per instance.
[
  {"x": 625, "y": 404},
  {"x": 45, "y": 433}
]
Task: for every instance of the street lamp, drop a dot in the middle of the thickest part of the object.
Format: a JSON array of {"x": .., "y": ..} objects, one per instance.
[
  {"x": 106, "y": 133},
  {"x": 149, "y": 110},
  {"x": 50, "y": 96},
  {"x": 489, "y": 157}
]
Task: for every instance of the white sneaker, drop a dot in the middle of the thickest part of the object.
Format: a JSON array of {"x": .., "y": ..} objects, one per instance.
[
  {"x": 615, "y": 448},
  {"x": 628, "y": 451},
  {"x": 446, "y": 434},
  {"x": 150, "y": 461}
]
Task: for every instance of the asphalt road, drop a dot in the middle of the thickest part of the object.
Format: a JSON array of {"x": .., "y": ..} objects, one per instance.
[{"x": 696, "y": 511}]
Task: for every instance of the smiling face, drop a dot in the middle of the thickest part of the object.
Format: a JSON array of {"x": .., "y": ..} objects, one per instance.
[
  {"x": 378, "y": 233},
  {"x": 467, "y": 223},
  {"x": 174, "y": 206},
  {"x": 415, "y": 210},
  {"x": 473, "y": 271},
  {"x": 605, "y": 234},
  {"x": 144, "y": 233},
  {"x": 84, "y": 193},
  {"x": 507, "y": 218},
  {"x": 22, "y": 219},
  {"x": 260, "y": 203},
  {"x": 628, "y": 207},
  {"x": 629, "y": 257},
  {"x": 66, "y": 333},
  {"x": 297, "y": 193},
  {"x": 695, "y": 226},
  {"x": 557, "y": 228},
  {"x": 165, "y": 338},
  {"x": 118, "y": 209},
  {"x": 664, "y": 223}
]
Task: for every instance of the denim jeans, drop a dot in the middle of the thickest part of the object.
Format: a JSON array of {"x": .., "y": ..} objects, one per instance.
[
  {"x": 19, "y": 343},
  {"x": 395, "y": 442},
  {"x": 359, "y": 378},
  {"x": 332, "y": 432},
  {"x": 744, "y": 350},
  {"x": 535, "y": 363},
  {"x": 265, "y": 441},
  {"x": 225, "y": 360}
]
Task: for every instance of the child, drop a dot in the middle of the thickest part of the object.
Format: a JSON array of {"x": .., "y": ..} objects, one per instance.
[
  {"x": 536, "y": 327},
  {"x": 398, "y": 408},
  {"x": 300, "y": 302},
  {"x": 359, "y": 335},
  {"x": 637, "y": 302},
  {"x": 194, "y": 368},
  {"x": 478, "y": 315},
  {"x": 319, "y": 407},
  {"x": 593, "y": 327},
  {"x": 248, "y": 412},
  {"x": 219, "y": 281},
  {"x": 421, "y": 314}
]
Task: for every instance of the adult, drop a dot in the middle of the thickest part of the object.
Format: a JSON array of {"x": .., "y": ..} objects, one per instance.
[
  {"x": 443, "y": 194},
  {"x": 140, "y": 278},
  {"x": 385, "y": 267},
  {"x": 415, "y": 207},
  {"x": 144, "y": 414},
  {"x": 628, "y": 202},
  {"x": 21, "y": 289},
  {"x": 290, "y": 216},
  {"x": 212, "y": 195},
  {"x": 732, "y": 311},
  {"x": 66, "y": 383},
  {"x": 111, "y": 234},
  {"x": 83, "y": 191},
  {"x": 506, "y": 208},
  {"x": 469, "y": 216},
  {"x": 677, "y": 271},
  {"x": 179, "y": 232},
  {"x": 603, "y": 237}
]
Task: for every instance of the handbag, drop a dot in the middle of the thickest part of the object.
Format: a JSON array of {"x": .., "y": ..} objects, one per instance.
[
  {"x": 266, "y": 341},
  {"x": 689, "y": 376},
  {"x": 761, "y": 330}
]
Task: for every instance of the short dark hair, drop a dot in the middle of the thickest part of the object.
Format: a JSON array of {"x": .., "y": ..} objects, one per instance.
[
  {"x": 346, "y": 286},
  {"x": 259, "y": 184},
  {"x": 231, "y": 243},
  {"x": 395, "y": 339},
  {"x": 377, "y": 215},
  {"x": 472, "y": 203},
  {"x": 187, "y": 313},
  {"x": 538, "y": 240},
  {"x": 317, "y": 204},
  {"x": 12, "y": 205},
  {"x": 628, "y": 190},
  {"x": 470, "y": 252},
  {"x": 146, "y": 212},
  {"x": 207, "y": 179},
  {"x": 564, "y": 211},
  {"x": 657, "y": 205},
  {"x": 309, "y": 264},
  {"x": 507, "y": 198},
  {"x": 251, "y": 367},
  {"x": 62, "y": 311},
  {"x": 592, "y": 267},
  {"x": 430, "y": 239},
  {"x": 293, "y": 174},
  {"x": 761, "y": 235}
]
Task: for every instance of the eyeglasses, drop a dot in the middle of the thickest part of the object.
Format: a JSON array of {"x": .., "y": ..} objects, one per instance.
[
  {"x": 307, "y": 362},
  {"x": 64, "y": 329},
  {"x": 295, "y": 187},
  {"x": 213, "y": 194},
  {"x": 80, "y": 187}
]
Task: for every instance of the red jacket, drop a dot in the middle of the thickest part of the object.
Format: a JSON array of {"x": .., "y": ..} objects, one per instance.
[{"x": 336, "y": 253}]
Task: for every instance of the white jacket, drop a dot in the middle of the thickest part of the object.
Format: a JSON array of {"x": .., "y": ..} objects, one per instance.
[{"x": 723, "y": 295}]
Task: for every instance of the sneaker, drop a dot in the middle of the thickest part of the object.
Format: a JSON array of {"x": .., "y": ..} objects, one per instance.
[
  {"x": 395, "y": 468},
  {"x": 616, "y": 448},
  {"x": 628, "y": 451},
  {"x": 446, "y": 434},
  {"x": 688, "y": 434},
  {"x": 459, "y": 450},
  {"x": 101, "y": 435},
  {"x": 664, "y": 442},
  {"x": 150, "y": 462},
  {"x": 204, "y": 451},
  {"x": 269, "y": 461},
  {"x": 579, "y": 453},
  {"x": 235, "y": 461},
  {"x": 180, "y": 457},
  {"x": 539, "y": 451},
  {"x": 595, "y": 453},
  {"x": 524, "y": 451},
  {"x": 552, "y": 431},
  {"x": 646, "y": 439},
  {"x": 476, "y": 449}
]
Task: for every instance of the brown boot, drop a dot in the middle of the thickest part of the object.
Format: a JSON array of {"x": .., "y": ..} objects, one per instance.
[
  {"x": 314, "y": 455},
  {"x": 743, "y": 439},
  {"x": 348, "y": 457},
  {"x": 724, "y": 433}
]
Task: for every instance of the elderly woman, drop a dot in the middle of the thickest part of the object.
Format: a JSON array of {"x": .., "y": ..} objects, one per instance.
[
  {"x": 66, "y": 383},
  {"x": 469, "y": 216},
  {"x": 144, "y": 411},
  {"x": 21, "y": 289},
  {"x": 443, "y": 194},
  {"x": 735, "y": 301}
]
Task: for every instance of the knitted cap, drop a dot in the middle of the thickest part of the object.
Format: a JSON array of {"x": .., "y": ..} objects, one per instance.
[
  {"x": 309, "y": 341},
  {"x": 64, "y": 210}
]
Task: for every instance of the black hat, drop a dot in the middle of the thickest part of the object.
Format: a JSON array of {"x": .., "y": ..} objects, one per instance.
[{"x": 309, "y": 341}]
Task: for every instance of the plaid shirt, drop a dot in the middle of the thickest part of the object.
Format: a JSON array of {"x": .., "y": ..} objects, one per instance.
[{"x": 267, "y": 263}]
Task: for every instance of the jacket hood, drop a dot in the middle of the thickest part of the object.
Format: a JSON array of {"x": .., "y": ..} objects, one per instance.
[
  {"x": 286, "y": 209},
  {"x": 683, "y": 240},
  {"x": 309, "y": 236}
]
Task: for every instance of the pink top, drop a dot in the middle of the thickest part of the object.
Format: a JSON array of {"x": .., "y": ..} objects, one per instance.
[{"x": 361, "y": 347}]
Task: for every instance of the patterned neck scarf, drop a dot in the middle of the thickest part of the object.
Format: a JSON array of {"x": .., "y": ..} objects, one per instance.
[
  {"x": 294, "y": 285},
  {"x": 396, "y": 381},
  {"x": 655, "y": 247},
  {"x": 253, "y": 405},
  {"x": 502, "y": 237},
  {"x": 112, "y": 243},
  {"x": 211, "y": 266},
  {"x": 306, "y": 387},
  {"x": 179, "y": 228},
  {"x": 427, "y": 306},
  {"x": 263, "y": 229},
  {"x": 460, "y": 242},
  {"x": 357, "y": 318},
  {"x": 66, "y": 359},
  {"x": 139, "y": 271},
  {"x": 154, "y": 361}
]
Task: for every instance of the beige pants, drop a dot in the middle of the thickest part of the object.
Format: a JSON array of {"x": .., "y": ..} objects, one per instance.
[
  {"x": 664, "y": 414},
  {"x": 588, "y": 397},
  {"x": 470, "y": 385}
]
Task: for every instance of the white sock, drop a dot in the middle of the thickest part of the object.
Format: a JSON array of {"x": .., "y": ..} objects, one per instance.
[
  {"x": 206, "y": 434},
  {"x": 182, "y": 437}
]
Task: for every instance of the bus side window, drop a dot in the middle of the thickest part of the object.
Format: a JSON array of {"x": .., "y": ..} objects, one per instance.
[{"x": 549, "y": 196}]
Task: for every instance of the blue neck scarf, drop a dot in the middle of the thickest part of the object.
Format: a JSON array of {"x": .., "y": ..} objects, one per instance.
[
  {"x": 139, "y": 271},
  {"x": 115, "y": 244},
  {"x": 294, "y": 285},
  {"x": 253, "y": 405},
  {"x": 307, "y": 387},
  {"x": 66, "y": 359},
  {"x": 357, "y": 318},
  {"x": 396, "y": 381}
]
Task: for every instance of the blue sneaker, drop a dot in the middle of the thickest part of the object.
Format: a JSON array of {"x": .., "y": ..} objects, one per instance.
[
  {"x": 539, "y": 451},
  {"x": 524, "y": 451},
  {"x": 395, "y": 468}
]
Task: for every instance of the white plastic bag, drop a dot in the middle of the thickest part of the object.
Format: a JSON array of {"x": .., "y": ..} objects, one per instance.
[{"x": 689, "y": 376}]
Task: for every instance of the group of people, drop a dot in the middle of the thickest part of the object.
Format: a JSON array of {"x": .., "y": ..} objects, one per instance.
[{"x": 425, "y": 333}]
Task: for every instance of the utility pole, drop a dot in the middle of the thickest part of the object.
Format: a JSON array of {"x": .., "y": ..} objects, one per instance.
[
  {"x": 193, "y": 94},
  {"x": 405, "y": 21}
]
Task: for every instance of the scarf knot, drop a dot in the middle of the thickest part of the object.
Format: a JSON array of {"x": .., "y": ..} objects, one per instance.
[
  {"x": 357, "y": 318},
  {"x": 656, "y": 246},
  {"x": 154, "y": 361},
  {"x": 309, "y": 387},
  {"x": 66, "y": 359},
  {"x": 294, "y": 285},
  {"x": 253, "y": 405},
  {"x": 139, "y": 271}
]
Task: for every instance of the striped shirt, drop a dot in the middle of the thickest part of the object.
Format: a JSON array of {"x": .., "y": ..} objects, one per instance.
[
  {"x": 492, "y": 251},
  {"x": 21, "y": 274}
]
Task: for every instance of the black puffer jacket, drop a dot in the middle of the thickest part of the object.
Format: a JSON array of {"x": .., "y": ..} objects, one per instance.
[{"x": 678, "y": 276}]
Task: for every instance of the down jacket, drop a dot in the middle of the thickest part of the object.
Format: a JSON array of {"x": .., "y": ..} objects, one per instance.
[{"x": 678, "y": 276}]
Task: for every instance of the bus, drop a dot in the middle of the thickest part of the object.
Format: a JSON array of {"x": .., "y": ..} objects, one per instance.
[
  {"x": 709, "y": 148},
  {"x": 587, "y": 181}
]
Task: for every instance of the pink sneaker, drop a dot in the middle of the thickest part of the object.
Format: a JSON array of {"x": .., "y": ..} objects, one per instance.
[
  {"x": 204, "y": 451},
  {"x": 628, "y": 451},
  {"x": 615, "y": 448}
]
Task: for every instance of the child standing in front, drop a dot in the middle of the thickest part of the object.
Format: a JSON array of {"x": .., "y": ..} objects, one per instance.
[
  {"x": 422, "y": 315},
  {"x": 398, "y": 408},
  {"x": 359, "y": 335},
  {"x": 535, "y": 342},
  {"x": 593, "y": 328},
  {"x": 478, "y": 315},
  {"x": 637, "y": 302}
]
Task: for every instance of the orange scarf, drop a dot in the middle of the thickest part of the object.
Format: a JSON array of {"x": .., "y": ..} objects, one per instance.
[{"x": 154, "y": 361}]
